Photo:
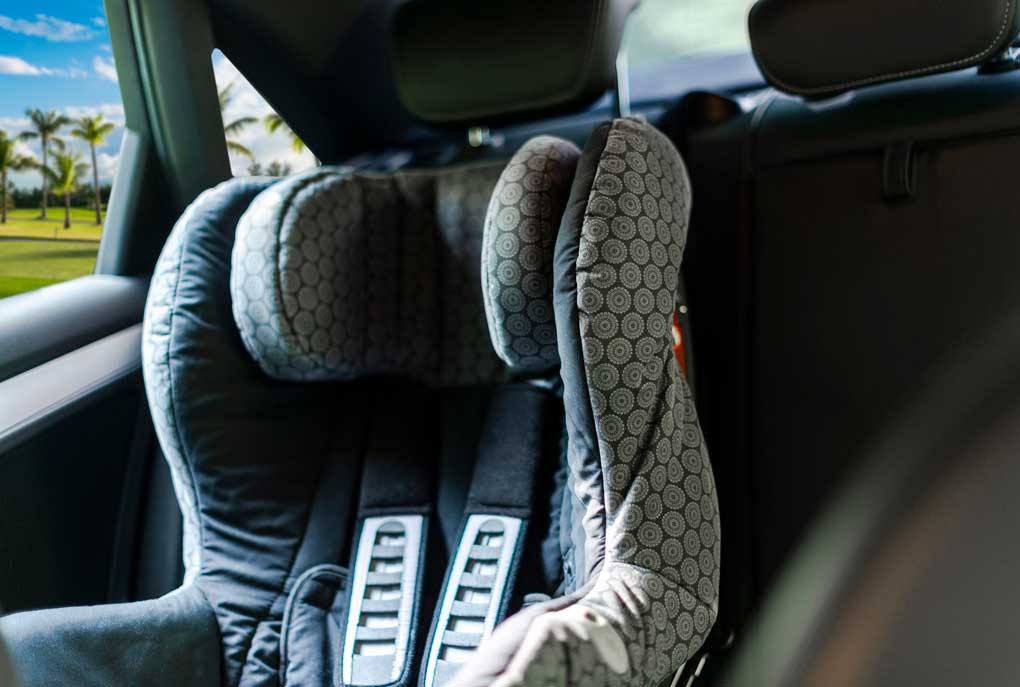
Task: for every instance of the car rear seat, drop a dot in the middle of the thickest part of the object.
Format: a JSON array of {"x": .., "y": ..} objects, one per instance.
[
  {"x": 340, "y": 363},
  {"x": 842, "y": 246}
]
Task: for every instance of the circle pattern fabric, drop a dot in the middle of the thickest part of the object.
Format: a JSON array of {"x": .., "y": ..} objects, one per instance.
[
  {"x": 662, "y": 524},
  {"x": 655, "y": 578},
  {"x": 517, "y": 252},
  {"x": 338, "y": 275}
]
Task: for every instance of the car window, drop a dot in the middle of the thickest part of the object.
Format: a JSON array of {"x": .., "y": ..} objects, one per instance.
[
  {"x": 666, "y": 29},
  {"x": 61, "y": 122},
  {"x": 675, "y": 46},
  {"x": 259, "y": 141}
]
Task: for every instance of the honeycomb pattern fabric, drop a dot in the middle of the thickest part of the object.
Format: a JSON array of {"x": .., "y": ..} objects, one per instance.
[
  {"x": 156, "y": 344},
  {"x": 157, "y": 351},
  {"x": 338, "y": 275},
  {"x": 517, "y": 252},
  {"x": 652, "y": 596}
]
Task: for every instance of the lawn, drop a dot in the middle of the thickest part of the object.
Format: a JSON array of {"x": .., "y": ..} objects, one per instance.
[
  {"x": 25, "y": 223},
  {"x": 27, "y": 265},
  {"x": 36, "y": 253}
]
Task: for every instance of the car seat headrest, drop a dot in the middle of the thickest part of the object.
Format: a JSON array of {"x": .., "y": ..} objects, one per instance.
[
  {"x": 467, "y": 62},
  {"x": 517, "y": 251},
  {"x": 825, "y": 47},
  {"x": 338, "y": 274}
]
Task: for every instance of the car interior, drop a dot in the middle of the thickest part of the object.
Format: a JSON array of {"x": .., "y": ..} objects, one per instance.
[{"x": 543, "y": 376}]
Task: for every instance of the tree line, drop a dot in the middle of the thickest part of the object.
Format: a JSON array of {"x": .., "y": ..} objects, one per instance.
[{"x": 62, "y": 169}]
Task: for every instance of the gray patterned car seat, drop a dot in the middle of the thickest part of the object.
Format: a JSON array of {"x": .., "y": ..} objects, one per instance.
[
  {"x": 396, "y": 404},
  {"x": 426, "y": 427},
  {"x": 352, "y": 298}
]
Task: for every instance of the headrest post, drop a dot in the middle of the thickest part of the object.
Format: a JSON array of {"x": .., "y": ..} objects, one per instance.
[{"x": 622, "y": 103}]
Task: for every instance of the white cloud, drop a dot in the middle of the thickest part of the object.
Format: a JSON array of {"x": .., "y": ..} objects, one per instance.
[
  {"x": 246, "y": 102},
  {"x": 104, "y": 68},
  {"x": 107, "y": 163},
  {"x": 18, "y": 66},
  {"x": 99, "y": 21},
  {"x": 112, "y": 111},
  {"x": 13, "y": 123},
  {"x": 22, "y": 149},
  {"x": 47, "y": 27}
]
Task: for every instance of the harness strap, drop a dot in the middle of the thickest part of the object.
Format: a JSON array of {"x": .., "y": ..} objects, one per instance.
[
  {"x": 388, "y": 561},
  {"x": 480, "y": 580}
]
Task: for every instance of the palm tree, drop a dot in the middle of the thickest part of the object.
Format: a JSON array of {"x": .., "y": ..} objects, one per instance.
[
  {"x": 46, "y": 126},
  {"x": 230, "y": 130},
  {"x": 93, "y": 130},
  {"x": 67, "y": 170},
  {"x": 274, "y": 122},
  {"x": 9, "y": 162}
]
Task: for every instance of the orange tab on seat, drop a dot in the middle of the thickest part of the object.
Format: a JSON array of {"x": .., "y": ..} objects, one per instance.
[{"x": 678, "y": 343}]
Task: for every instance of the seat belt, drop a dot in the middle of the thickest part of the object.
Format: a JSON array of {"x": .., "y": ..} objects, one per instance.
[
  {"x": 480, "y": 579},
  {"x": 388, "y": 560}
]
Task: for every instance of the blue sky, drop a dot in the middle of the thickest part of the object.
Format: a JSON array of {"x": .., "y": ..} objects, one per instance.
[{"x": 55, "y": 54}]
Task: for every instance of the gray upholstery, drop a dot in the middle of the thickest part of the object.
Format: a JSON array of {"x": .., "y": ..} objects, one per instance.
[
  {"x": 648, "y": 592},
  {"x": 166, "y": 642},
  {"x": 517, "y": 251},
  {"x": 7, "y": 676},
  {"x": 461, "y": 61},
  {"x": 339, "y": 275},
  {"x": 825, "y": 47}
]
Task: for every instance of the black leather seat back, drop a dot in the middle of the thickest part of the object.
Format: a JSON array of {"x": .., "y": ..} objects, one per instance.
[{"x": 840, "y": 250}]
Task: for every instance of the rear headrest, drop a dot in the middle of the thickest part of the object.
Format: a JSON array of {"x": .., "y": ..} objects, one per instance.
[
  {"x": 472, "y": 62},
  {"x": 820, "y": 48}
]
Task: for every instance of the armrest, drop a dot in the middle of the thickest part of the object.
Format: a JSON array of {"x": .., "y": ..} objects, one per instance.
[{"x": 167, "y": 642}]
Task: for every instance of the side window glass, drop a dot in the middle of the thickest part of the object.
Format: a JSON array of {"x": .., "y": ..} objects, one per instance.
[
  {"x": 259, "y": 141},
  {"x": 61, "y": 121}
]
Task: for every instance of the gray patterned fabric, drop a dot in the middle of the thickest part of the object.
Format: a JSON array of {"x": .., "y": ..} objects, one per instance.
[
  {"x": 340, "y": 274},
  {"x": 157, "y": 348},
  {"x": 517, "y": 252},
  {"x": 649, "y": 595}
]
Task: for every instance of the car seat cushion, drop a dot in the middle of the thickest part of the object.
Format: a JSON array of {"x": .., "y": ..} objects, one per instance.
[
  {"x": 250, "y": 456},
  {"x": 517, "y": 251},
  {"x": 651, "y": 538},
  {"x": 339, "y": 274}
]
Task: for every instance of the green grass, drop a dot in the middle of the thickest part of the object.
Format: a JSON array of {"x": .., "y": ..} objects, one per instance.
[
  {"x": 58, "y": 255},
  {"x": 27, "y": 265},
  {"x": 25, "y": 223}
]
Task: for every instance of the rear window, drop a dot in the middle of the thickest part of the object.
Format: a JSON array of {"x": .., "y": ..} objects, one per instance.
[
  {"x": 672, "y": 47},
  {"x": 667, "y": 29}
]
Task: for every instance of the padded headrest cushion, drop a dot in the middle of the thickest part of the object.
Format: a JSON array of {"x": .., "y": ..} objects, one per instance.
[
  {"x": 338, "y": 275},
  {"x": 517, "y": 251},
  {"x": 471, "y": 62},
  {"x": 819, "y": 48}
]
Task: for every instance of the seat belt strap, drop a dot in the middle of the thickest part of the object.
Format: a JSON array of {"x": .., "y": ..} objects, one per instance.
[
  {"x": 387, "y": 569},
  {"x": 480, "y": 579}
]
